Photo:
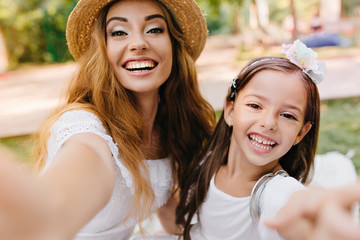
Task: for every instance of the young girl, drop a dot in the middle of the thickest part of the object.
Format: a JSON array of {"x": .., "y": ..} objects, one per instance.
[
  {"x": 133, "y": 122},
  {"x": 267, "y": 131}
]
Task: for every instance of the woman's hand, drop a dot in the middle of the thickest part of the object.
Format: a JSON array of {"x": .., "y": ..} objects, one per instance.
[
  {"x": 319, "y": 214},
  {"x": 166, "y": 215}
]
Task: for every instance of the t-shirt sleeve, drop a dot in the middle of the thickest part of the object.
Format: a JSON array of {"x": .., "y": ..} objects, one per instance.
[{"x": 276, "y": 194}]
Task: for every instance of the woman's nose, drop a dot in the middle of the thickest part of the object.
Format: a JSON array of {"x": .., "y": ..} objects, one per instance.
[{"x": 138, "y": 42}]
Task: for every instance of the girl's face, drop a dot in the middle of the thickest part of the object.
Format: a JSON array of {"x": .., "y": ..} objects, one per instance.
[
  {"x": 139, "y": 45},
  {"x": 267, "y": 117}
]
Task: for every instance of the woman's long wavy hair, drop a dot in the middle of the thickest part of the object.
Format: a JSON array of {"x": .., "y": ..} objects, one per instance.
[
  {"x": 298, "y": 161},
  {"x": 185, "y": 117}
]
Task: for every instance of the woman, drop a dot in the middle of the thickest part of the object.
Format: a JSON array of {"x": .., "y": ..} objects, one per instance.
[{"x": 133, "y": 122}]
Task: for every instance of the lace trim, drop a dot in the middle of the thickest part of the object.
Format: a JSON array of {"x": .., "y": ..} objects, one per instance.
[
  {"x": 161, "y": 179},
  {"x": 81, "y": 121}
]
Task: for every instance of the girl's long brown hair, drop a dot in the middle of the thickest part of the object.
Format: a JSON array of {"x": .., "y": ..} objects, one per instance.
[
  {"x": 298, "y": 161},
  {"x": 186, "y": 120}
]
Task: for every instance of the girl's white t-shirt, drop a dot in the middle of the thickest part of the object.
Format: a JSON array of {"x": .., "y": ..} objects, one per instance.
[
  {"x": 109, "y": 223},
  {"x": 224, "y": 217}
]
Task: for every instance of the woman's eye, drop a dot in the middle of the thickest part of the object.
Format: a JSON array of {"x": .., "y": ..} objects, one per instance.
[
  {"x": 156, "y": 30},
  {"x": 289, "y": 116},
  {"x": 118, "y": 33}
]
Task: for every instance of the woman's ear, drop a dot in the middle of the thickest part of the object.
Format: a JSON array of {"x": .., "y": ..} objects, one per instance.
[
  {"x": 228, "y": 113},
  {"x": 303, "y": 131}
]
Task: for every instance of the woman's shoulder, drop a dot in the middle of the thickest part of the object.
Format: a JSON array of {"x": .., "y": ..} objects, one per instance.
[
  {"x": 77, "y": 120},
  {"x": 74, "y": 122},
  {"x": 74, "y": 116}
]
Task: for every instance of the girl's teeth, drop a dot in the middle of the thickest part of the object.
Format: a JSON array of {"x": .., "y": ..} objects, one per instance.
[
  {"x": 256, "y": 141},
  {"x": 262, "y": 146}
]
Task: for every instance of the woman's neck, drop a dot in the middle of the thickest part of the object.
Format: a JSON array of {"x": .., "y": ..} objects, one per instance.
[{"x": 148, "y": 106}]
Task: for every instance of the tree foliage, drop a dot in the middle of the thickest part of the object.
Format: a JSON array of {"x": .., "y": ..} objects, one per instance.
[
  {"x": 222, "y": 16},
  {"x": 34, "y": 30},
  {"x": 349, "y": 8}
]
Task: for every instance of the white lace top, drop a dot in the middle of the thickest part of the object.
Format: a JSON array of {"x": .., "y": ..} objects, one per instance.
[{"x": 108, "y": 223}]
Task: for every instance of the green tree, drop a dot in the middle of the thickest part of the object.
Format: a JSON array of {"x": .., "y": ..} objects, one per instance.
[
  {"x": 34, "y": 30},
  {"x": 223, "y": 16},
  {"x": 349, "y": 7}
]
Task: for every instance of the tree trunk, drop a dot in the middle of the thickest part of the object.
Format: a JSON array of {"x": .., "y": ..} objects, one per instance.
[
  {"x": 293, "y": 13},
  {"x": 4, "y": 57}
]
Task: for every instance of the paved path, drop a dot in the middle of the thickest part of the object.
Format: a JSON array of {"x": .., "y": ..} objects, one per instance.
[{"x": 27, "y": 97}]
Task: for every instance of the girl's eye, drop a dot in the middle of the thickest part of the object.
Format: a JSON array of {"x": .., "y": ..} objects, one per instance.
[
  {"x": 118, "y": 33},
  {"x": 253, "y": 105},
  {"x": 156, "y": 30},
  {"x": 289, "y": 116}
]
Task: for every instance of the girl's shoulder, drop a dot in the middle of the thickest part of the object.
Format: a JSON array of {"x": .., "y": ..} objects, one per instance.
[
  {"x": 275, "y": 195},
  {"x": 280, "y": 188},
  {"x": 284, "y": 184},
  {"x": 272, "y": 191}
]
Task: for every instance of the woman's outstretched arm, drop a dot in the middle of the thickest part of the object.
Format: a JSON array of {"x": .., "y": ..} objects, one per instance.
[
  {"x": 78, "y": 183},
  {"x": 319, "y": 214}
]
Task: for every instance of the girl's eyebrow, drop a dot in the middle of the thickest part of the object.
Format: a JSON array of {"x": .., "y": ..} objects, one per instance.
[
  {"x": 294, "y": 108},
  {"x": 290, "y": 106},
  {"x": 147, "y": 18}
]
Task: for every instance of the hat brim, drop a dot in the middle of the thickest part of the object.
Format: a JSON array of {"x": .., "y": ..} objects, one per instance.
[{"x": 186, "y": 12}]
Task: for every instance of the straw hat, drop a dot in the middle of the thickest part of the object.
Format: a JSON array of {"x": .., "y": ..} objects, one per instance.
[{"x": 186, "y": 12}]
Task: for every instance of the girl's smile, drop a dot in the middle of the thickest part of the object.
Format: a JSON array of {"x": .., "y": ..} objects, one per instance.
[
  {"x": 267, "y": 117},
  {"x": 261, "y": 143}
]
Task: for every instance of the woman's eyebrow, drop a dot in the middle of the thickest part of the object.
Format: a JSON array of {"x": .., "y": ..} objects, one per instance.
[
  {"x": 148, "y": 18},
  {"x": 122, "y": 19}
]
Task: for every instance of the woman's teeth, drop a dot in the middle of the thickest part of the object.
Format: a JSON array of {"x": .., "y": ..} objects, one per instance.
[{"x": 139, "y": 66}]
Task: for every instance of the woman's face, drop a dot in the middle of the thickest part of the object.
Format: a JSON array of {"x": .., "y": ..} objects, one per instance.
[{"x": 139, "y": 45}]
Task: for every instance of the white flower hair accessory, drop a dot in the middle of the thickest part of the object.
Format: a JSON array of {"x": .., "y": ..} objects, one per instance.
[{"x": 305, "y": 58}]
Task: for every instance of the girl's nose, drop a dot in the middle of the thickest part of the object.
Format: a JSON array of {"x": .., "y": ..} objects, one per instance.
[
  {"x": 137, "y": 42},
  {"x": 269, "y": 121}
]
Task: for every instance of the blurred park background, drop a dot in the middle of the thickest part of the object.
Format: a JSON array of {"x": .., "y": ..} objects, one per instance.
[{"x": 35, "y": 63}]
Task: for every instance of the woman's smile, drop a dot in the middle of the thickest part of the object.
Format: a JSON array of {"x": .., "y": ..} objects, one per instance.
[{"x": 139, "y": 46}]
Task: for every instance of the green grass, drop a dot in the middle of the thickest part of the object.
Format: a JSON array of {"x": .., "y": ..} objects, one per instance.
[
  {"x": 339, "y": 131},
  {"x": 20, "y": 146},
  {"x": 340, "y": 127}
]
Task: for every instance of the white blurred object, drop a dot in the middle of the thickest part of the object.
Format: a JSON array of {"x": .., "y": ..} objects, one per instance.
[{"x": 334, "y": 169}]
